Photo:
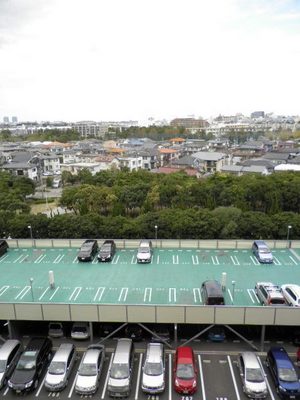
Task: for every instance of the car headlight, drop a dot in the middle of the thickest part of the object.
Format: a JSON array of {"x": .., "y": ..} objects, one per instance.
[
  {"x": 194, "y": 384},
  {"x": 176, "y": 382},
  {"x": 282, "y": 389},
  {"x": 10, "y": 384},
  {"x": 28, "y": 384}
]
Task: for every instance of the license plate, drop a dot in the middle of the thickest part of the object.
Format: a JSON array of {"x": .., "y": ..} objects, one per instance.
[{"x": 292, "y": 397}]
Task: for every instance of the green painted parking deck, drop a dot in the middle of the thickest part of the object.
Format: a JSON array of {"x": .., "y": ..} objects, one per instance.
[{"x": 173, "y": 277}]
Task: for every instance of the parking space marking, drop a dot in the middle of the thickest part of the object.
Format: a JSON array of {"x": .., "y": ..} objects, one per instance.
[
  {"x": 134, "y": 260},
  {"x": 195, "y": 260},
  {"x": 175, "y": 259},
  {"x": 251, "y": 292},
  {"x": 123, "y": 294},
  {"x": 75, "y": 293},
  {"x": 40, "y": 388},
  {"x": 197, "y": 293},
  {"x": 147, "y": 293},
  {"x": 99, "y": 292},
  {"x": 73, "y": 385},
  {"x": 215, "y": 260},
  {"x": 75, "y": 261},
  {"x": 201, "y": 377},
  {"x": 95, "y": 260},
  {"x": 276, "y": 261},
  {"x": 3, "y": 290},
  {"x": 51, "y": 297},
  {"x": 6, "y": 391},
  {"x": 170, "y": 376},
  {"x": 2, "y": 259},
  {"x": 21, "y": 294},
  {"x": 230, "y": 295},
  {"x": 40, "y": 258},
  {"x": 21, "y": 258},
  {"x": 235, "y": 260},
  {"x": 138, "y": 378},
  {"x": 233, "y": 379},
  {"x": 44, "y": 292},
  {"x": 107, "y": 377},
  {"x": 172, "y": 293},
  {"x": 267, "y": 381},
  {"x": 254, "y": 260},
  {"x": 294, "y": 261},
  {"x": 157, "y": 260},
  {"x": 115, "y": 260}
]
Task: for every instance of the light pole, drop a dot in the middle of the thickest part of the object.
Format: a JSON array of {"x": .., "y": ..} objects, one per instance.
[
  {"x": 233, "y": 290},
  {"x": 288, "y": 242},
  {"x": 30, "y": 229},
  {"x": 31, "y": 281},
  {"x": 156, "y": 227}
]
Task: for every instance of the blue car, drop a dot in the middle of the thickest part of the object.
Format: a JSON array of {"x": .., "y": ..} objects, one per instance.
[
  {"x": 283, "y": 373},
  {"x": 216, "y": 334}
]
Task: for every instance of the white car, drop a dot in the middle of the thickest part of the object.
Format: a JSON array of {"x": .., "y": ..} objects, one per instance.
[
  {"x": 80, "y": 331},
  {"x": 291, "y": 293},
  {"x": 89, "y": 371}
]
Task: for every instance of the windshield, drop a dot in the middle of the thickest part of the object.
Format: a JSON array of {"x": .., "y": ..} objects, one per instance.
[
  {"x": 79, "y": 329},
  {"x": 264, "y": 250},
  {"x": 87, "y": 369},
  {"x": 2, "y": 365},
  {"x": 144, "y": 250},
  {"x": 254, "y": 375},
  {"x": 119, "y": 371},
  {"x": 27, "y": 361},
  {"x": 57, "y": 368},
  {"x": 153, "y": 368},
  {"x": 55, "y": 326},
  {"x": 105, "y": 248},
  {"x": 185, "y": 371},
  {"x": 287, "y": 375}
]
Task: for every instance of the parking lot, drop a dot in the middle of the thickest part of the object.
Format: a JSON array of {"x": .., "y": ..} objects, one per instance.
[{"x": 174, "y": 276}]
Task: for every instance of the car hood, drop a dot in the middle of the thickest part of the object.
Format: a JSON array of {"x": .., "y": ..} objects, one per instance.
[
  {"x": 266, "y": 256},
  {"x": 53, "y": 379},
  {"x": 153, "y": 380},
  {"x": 118, "y": 382},
  {"x": 86, "y": 381},
  {"x": 295, "y": 386},
  {"x": 143, "y": 256},
  {"x": 256, "y": 387},
  {"x": 22, "y": 377},
  {"x": 185, "y": 383}
]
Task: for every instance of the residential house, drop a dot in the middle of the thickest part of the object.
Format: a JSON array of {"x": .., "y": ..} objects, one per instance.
[{"x": 211, "y": 162}]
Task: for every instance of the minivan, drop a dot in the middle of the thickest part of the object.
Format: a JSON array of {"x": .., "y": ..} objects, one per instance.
[
  {"x": 283, "y": 373},
  {"x": 153, "y": 380},
  {"x": 252, "y": 375},
  {"x": 144, "y": 253},
  {"x": 120, "y": 374},
  {"x": 3, "y": 247},
  {"x": 31, "y": 365},
  {"x": 262, "y": 251},
  {"x": 60, "y": 367},
  {"x": 90, "y": 369},
  {"x": 9, "y": 355},
  {"x": 291, "y": 293},
  {"x": 212, "y": 293},
  {"x": 88, "y": 250}
]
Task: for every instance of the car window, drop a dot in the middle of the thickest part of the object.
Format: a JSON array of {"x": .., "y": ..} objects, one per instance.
[
  {"x": 27, "y": 361},
  {"x": 185, "y": 371},
  {"x": 287, "y": 374},
  {"x": 2, "y": 366},
  {"x": 119, "y": 371},
  {"x": 57, "y": 368},
  {"x": 87, "y": 369},
  {"x": 254, "y": 375},
  {"x": 153, "y": 368}
]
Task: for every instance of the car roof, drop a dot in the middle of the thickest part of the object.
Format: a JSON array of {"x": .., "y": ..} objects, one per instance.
[
  {"x": 154, "y": 352},
  {"x": 281, "y": 357},
  {"x": 36, "y": 343},
  {"x": 184, "y": 354},
  {"x": 295, "y": 288},
  {"x": 250, "y": 359},
  {"x": 91, "y": 355},
  {"x": 63, "y": 351},
  {"x": 260, "y": 243}
]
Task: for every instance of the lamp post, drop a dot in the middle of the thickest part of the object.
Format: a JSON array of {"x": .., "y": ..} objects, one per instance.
[
  {"x": 31, "y": 281},
  {"x": 233, "y": 290},
  {"x": 156, "y": 227},
  {"x": 30, "y": 229},
  {"x": 288, "y": 242}
]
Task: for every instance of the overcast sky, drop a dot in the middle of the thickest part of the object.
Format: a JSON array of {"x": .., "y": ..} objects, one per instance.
[{"x": 135, "y": 59}]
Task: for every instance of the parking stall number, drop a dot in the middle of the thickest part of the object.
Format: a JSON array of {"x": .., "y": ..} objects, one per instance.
[{"x": 186, "y": 397}]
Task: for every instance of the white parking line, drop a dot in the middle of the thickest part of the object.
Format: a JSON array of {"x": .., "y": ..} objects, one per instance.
[
  {"x": 101, "y": 290},
  {"x": 40, "y": 258},
  {"x": 115, "y": 259},
  {"x": 51, "y": 297},
  {"x": 134, "y": 260},
  {"x": 6, "y": 391},
  {"x": 235, "y": 260},
  {"x": 123, "y": 294},
  {"x": 172, "y": 293},
  {"x": 215, "y": 260},
  {"x": 26, "y": 288},
  {"x": 40, "y": 388},
  {"x": 175, "y": 259},
  {"x": 267, "y": 382},
  {"x": 73, "y": 385},
  {"x": 276, "y": 261},
  {"x": 195, "y": 260},
  {"x": 254, "y": 260},
  {"x": 201, "y": 377},
  {"x": 170, "y": 377},
  {"x": 107, "y": 377},
  {"x": 2, "y": 259},
  {"x": 233, "y": 378},
  {"x": 197, "y": 295},
  {"x": 147, "y": 293},
  {"x": 75, "y": 293},
  {"x": 157, "y": 260},
  {"x": 138, "y": 378},
  {"x": 44, "y": 292},
  {"x": 3, "y": 290},
  {"x": 75, "y": 261},
  {"x": 250, "y": 295},
  {"x": 21, "y": 256},
  {"x": 294, "y": 261},
  {"x": 230, "y": 295}
]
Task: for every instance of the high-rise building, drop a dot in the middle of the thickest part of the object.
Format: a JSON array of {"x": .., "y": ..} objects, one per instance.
[
  {"x": 6, "y": 120},
  {"x": 258, "y": 114},
  {"x": 14, "y": 119}
]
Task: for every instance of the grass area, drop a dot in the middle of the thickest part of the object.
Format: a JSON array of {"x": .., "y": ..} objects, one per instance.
[{"x": 37, "y": 208}]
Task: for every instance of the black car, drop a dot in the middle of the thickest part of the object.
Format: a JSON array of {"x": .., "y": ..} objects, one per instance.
[
  {"x": 107, "y": 251},
  {"x": 3, "y": 247},
  {"x": 88, "y": 250},
  {"x": 31, "y": 365}
]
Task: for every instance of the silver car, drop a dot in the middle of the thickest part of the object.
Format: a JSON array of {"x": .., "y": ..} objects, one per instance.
[
  {"x": 144, "y": 254},
  {"x": 153, "y": 380},
  {"x": 60, "y": 367},
  {"x": 89, "y": 371},
  {"x": 252, "y": 375},
  {"x": 80, "y": 331}
]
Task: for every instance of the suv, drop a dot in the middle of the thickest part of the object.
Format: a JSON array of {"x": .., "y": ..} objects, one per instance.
[
  {"x": 252, "y": 375},
  {"x": 283, "y": 373},
  {"x": 291, "y": 294},
  {"x": 31, "y": 365},
  {"x": 107, "y": 251},
  {"x": 269, "y": 294},
  {"x": 144, "y": 254},
  {"x": 88, "y": 250},
  {"x": 9, "y": 355},
  {"x": 212, "y": 293},
  {"x": 262, "y": 252}
]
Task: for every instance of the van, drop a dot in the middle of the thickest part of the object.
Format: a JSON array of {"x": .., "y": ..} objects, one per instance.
[
  {"x": 3, "y": 247},
  {"x": 144, "y": 254},
  {"x": 9, "y": 356},
  {"x": 283, "y": 373},
  {"x": 252, "y": 376},
  {"x": 60, "y": 367},
  {"x": 262, "y": 252},
  {"x": 120, "y": 374},
  {"x": 212, "y": 293},
  {"x": 153, "y": 380}
]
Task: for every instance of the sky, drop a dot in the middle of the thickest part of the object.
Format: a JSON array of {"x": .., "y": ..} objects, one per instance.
[{"x": 103, "y": 60}]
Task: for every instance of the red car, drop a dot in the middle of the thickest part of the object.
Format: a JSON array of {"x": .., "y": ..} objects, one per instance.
[{"x": 185, "y": 372}]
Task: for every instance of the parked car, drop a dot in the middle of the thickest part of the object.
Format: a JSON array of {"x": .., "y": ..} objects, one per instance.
[
  {"x": 89, "y": 371},
  {"x": 144, "y": 253},
  {"x": 212, "y": 293},
  {"x": 269, "y": 294},
  {"x": 252, "y": 375},
  {"x": 3, "y": 247},
  {"x": 55, "y": 330},
  {"x": 60, "y": 367},
  {"x": 10, "y": 352},
  {"x": 107, "y": 251},
  {"x": 80, "y": 331},
  {"x": 185, "y": 372},
  {"x": 283, "y": 373},
  {"x": 31, "y": 365},
  {"x": 88, "y": 250},
  {"x": 153, "y": 379},
  {"x": 262, "y": 251},
  {"x": 162, "y": 334},
  {"x": 216, "y": 334},
  {"x": 291, "y": 293},
  {"x": 134, "y": 332}
]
